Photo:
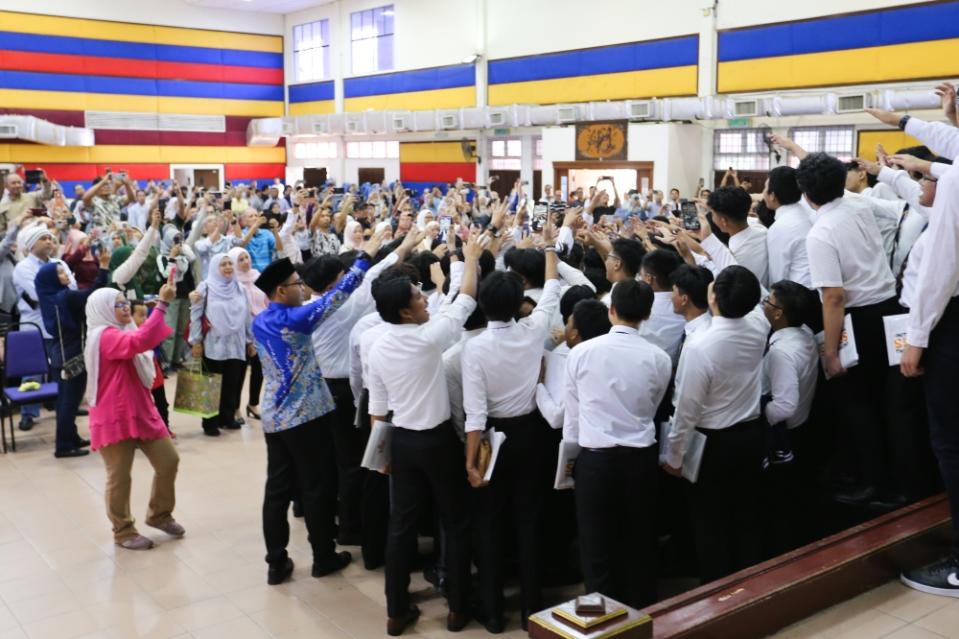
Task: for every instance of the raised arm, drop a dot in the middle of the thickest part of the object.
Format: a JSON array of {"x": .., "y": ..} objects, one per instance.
[
  {"x": 116, "y": 344},
  {"x": 125, "y": 272}
]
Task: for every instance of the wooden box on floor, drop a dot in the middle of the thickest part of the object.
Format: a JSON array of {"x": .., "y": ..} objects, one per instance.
[{"x": 562, "y": 622}]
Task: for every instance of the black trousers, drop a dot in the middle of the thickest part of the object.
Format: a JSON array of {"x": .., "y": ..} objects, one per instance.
[
  {"x": 615, "y": 510},
  {"x": 163, "y": 407},
  {"x": 863, "y": 415},
  {"x": 232, "y": 371},
  {"x": 300, "y": 459},
  {"x": 517, "y": 492},
  {"x": 941, "y": 362},
  {"x": 349, "y": 442},
  {"x": 724, "y": 502},
  {"x": 256, "y": 380},
  {"x": 427, "y": 465},
  {"x": 789, "y": 493},
  {"x": 374, "y": 501}
]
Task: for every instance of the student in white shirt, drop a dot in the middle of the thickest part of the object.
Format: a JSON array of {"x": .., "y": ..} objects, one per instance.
[
  {"x": 614, "y": 385},
  {"x": 453, "y": 368},
  {"x": 786, "y": 238},
  {"x": 718, "y": 393},
  {"x": 406, "y": 378},
  {"x": 747, "y": 242},
  {"x": 623, "y": 259},
  {"x": 500, "y": 372},
  {"x": 663, "y": 328},
  {"x": 849, "y": 268},
  {"x": 690, "y": 298},
  {"x": 861, "y": 182}
]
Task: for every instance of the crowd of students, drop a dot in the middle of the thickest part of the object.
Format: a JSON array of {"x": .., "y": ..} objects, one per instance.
[{"x": 698, "y": 368}]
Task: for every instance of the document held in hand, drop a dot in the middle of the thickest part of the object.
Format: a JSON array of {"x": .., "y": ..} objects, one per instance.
[
  {"x": 376, "y": 457},
  {"x": 693, "y": 458},
  {"x": 496, "y": 440},
  {"x": 848, "y": 355},
  {"x": 895, "y": 326},
  {"x": 568, "y": 452}
]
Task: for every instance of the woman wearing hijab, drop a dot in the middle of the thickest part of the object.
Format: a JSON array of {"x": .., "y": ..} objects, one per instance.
[
  {"x": 123, "y": 417},
  {"x": 352, "y": 237},
  {"x": 79, "y": 257},
  {"x": 221, "y": 333},
  {"x": 62, "y": 311},
  {"x": 134, "y": 270},
  {"x": 176, "y": 254},
  {"x": 257, "y": 301}
]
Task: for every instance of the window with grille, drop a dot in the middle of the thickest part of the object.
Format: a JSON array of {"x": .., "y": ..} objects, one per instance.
[
  {"x": 506, "y": 155},
  {"x": 373, "y": 150},
  {"x": 371, "y": 34},
  {"x": 315, "y": 150},
  {"x": 311, "y": 51},
  {"x": 839, "y": 141},
  {"x": 741, "y": 149}
]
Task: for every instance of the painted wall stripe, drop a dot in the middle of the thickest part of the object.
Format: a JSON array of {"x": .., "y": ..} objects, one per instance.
[{"x": 462, "y": 75}]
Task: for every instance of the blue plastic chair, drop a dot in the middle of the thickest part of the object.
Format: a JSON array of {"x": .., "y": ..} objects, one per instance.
[{"x": 25, "y": 354}]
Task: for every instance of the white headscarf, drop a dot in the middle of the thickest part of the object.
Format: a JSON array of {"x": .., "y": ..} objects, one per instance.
[
  {"x": 348, "y": 244},
  {"x": 32, "y": 235},
  {"x": 101, "y": 316},
  {"x": 226, "y": 304}
]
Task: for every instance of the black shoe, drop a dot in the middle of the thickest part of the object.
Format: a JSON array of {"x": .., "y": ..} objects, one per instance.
[
  {"x": 436, "y": 578},
  {"x": 494, "y": 626},
  {"x": 395, "y": 626},
  {"x": 213, "y": 431},
  {"x": 82, "y": 443},
  {"x": 82, "y": 412},
  {"x": 339, "y": 561},
  {"x": 27, "y": 423},
  {"x": 855, "y": 496},
  {"x": 349, "y": 540},
  {"x": 278, "y": 574},
  {"x": 939, "y": 578},
  {"x": 72, "y": 452},
  {"x": 456, "y": 621},
  {"x": 234, "y": 425},
  {"x": 888, "y": 503},
  {"x": 250, "y": 412}
]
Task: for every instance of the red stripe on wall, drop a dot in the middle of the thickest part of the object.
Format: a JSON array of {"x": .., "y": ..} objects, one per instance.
[
  {"x": 125, "y": 67},
  {"x": 437, "y": 172},
  {"x": 66, "y": 118},
  {"x": 170, "y": 138},
  {"x": 253, "y": 171}
]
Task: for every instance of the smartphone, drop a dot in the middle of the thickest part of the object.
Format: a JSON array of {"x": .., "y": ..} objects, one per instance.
[
  {"x": 690, "y": 216},
  {"x": 38, "y": 212},
  {"x": 33, "y": 176},
  {"x": 172, "y": 279}
]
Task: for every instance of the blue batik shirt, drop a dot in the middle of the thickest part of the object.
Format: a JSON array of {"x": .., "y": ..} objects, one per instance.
[{"x": 295, "y": 392}]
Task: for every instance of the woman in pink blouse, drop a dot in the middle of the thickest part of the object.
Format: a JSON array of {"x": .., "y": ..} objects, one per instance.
[
  {"x": 123, "y": 417},
  {"x": 246, "y": 275}
]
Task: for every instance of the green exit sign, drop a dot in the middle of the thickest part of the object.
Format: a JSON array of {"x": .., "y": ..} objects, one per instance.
[
  {"x": 500, "y": 131},
  {"x": 738, "y": 123}
]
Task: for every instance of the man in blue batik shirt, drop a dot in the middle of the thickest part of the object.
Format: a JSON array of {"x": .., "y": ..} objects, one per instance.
[{"x": 297, "y": 408}]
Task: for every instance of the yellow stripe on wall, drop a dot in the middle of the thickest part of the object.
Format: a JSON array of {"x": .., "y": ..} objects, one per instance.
[
  {"x": 142, "y": 154},
  {"x": 415, "y": 100},
  {"x": 890, "y": 139},
  {"x": 607, "y": 86},
  {"x": 22, "y": 99},
  {"x": 125, "y": 32},
  {"x": 431, "y": 152},
  {"x": 318, "y": 107},
  {"x": 856, "y": 66}
]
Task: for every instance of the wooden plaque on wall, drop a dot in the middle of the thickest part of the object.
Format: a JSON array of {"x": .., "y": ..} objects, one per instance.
[{"x": 601, "y": 141}]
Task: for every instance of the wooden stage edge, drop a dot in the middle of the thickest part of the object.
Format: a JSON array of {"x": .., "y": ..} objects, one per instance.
[{"x": 760, "y": 600}]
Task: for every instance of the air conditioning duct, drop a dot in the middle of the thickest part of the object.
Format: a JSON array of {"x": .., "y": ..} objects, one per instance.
[
  {"x": 606, "y": 110},
  {"x": 640, "y": 109},
  {"x": 473, "y": 118},
  {"x": 400, "y": 121},
  {"x": 336, "y": 123},
  {"x": 9, "y": 131},
  {"x": 802, "y": 105},
  {"x": 447, "y": 120},
  {"x": 852, "y": 102},
  {"x": 376, "y": 121},
  {"x": 264, "y": 131},
  {"x": 742, "y": 108},
  {"x": 907, "y": 100},
  {"x": 424, "y": 120},
  {"x": 542, "y": 115},
  {"x": 355, "y": 124},
  {"x": 569, "y": 113},
  {"x": 498, "y": 117},
  {"x": 682, "y": 109},
  {"x": 320, "y": 125},
  {"x": 33, "y": 129}
]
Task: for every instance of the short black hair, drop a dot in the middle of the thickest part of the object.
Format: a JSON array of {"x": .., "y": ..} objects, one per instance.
[
  {"x": 782, "y": 184},
  {"x": 573, "y": 295},
  {"x": 392, "y": 295},
  {"x": 794, "y": 301},
  {"x": 822, "y": 178},
  {"x": 529, "y": 263},
  {"x": 477, "y": 319},
  {"x": 765, "y": 214},
  {"x": 632, "y": 300},
  {"x": 660, "y": 264},
  {"x": 871, "y": 179},
  {"x": 674, "y": 189},
  {"x": 402, "y": 269},
  {"x": 422, "y": 261},
  {"x": 693, "y": 281},
  {"x": 731, "y": 201},
  {"x": 501, "y": 295},
  {"x": 321, "y": 271},
  {"x": 591, "y": 319},
  {"x": 737, "y": 291},
  {"x": 597, "y": 277},
  {"x": 631, "y": 253}
]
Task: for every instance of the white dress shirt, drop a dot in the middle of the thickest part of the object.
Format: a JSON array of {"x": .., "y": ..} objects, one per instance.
[
  {"x": 406, "y": 368},
  {"x": 845, "y": 250},
  {"x": 614, "y": 385},
  {"x": 719, "y": 381},
  {"x": 697, "y": 324},
  {"x": 331, "y": 339},
  {"x": 887, "y": 214},
  {"x": 366, "y": 341},
  {"x": 664, "y": 328},
  {"x": 501, "y": 366},
  {"x": 749, "y": 248},
  {"x": 786, "y": 245},
  {"x": 549, "y": 394},
  {"x": 881, "y": 191},
  {"x": 138, "y": 215},
  {"x": 357, "y": 383},
  {"x": 941, "y": 138},
  {"x": 453, "y": 367},
  {"x": 790, "y": 370}
]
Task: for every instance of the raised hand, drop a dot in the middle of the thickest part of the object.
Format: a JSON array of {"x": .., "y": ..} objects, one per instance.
[
  {"x": 886, "y": 117},
  {"x": 947, "y": 95}
]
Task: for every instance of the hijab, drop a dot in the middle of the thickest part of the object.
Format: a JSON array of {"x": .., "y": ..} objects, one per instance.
[
  {"x": 223, "y": 296},
  {"x": 101, "y": 316},
  {"x": 52, "y": 296},
  {"x": 257, "y": 299},
  {"x": 74, "y": 238},
  {"x": 348, "y": 244}
]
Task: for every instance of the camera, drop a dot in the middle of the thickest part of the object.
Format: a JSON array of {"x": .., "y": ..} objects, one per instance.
[{"x": 690, "y": 216}]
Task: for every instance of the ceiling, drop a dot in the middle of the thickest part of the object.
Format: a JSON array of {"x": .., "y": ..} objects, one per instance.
[{"x": 264, "y": 6}]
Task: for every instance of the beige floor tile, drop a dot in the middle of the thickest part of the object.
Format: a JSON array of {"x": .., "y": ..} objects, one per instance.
[
  {"x": 243, "y": 628},
  {"x": 205, "y": 613},
  {"x": 913, "y": 632},
  {"x": 68, "y": 626},
  {"x": 944, "y": 621}
]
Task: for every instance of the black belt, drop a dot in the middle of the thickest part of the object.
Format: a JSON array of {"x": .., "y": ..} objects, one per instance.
[
  {"x": 729, "y": 430},
  {"x": 622, "y": 450}
]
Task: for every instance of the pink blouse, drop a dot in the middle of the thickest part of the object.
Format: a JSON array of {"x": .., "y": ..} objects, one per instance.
[{"x": 125, "y": 408}]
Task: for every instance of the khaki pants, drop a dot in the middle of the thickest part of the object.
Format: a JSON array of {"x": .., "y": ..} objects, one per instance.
[{"x": 118, "y": 459}]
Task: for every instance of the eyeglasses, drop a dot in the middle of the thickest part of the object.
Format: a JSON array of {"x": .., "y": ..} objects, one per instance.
[
  {"x": 120, "y": 305},
  {"x": 299, "y": 283},
  {"x": 768, "y": 303}
]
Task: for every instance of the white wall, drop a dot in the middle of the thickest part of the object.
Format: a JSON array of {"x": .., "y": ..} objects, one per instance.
[
  {"x": 559, "y": 145},
  {"x": 674, "y": 150},
  {"x": 174, "y": 13},
  {"x": 732, "y": 14}
]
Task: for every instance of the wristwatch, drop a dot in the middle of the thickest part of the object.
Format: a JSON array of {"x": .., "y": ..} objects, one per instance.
[{"x": 903, "y": 121}]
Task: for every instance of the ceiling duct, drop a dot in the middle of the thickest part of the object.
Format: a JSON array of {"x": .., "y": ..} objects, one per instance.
[{"x": 33, "y": 129}]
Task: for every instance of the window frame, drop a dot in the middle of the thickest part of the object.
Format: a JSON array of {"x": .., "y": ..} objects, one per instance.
[
  {"x": 323, "y": 27},
  {"x": 380, "y": 22}
]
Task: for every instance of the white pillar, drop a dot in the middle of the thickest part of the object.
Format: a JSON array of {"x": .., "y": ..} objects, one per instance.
[{"x": 526, "y": 163}]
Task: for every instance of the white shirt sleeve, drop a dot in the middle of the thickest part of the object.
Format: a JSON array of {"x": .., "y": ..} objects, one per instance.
[
  {"x": 445, "y": 327},
  {"x": 719, "y": 255},
  {"x": 573, "y": 276},
  {"x": 551, "y": 408},
  {"x": 904, "y": 186},
  {"x": 690, "y": 391},
  {"x": 824, "y": 267},
  {"x": 125, "y": 272},
  {"x": 941, "y": 138},
  {"x": 571, "y": 414},
  {"x": 784, "y": 387},
  {"x": 565, "y": 239},
  {"x": 548, "y": 303},
  {"x": 379, "y": 398},
  {"x": 474, "y": 391}
]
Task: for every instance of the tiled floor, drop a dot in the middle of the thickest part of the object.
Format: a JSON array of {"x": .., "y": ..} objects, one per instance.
[{"x": 61, "y": 577}]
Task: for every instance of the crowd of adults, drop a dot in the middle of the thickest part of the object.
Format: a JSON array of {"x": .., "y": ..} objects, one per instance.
[{"x": 692, "y": 355}]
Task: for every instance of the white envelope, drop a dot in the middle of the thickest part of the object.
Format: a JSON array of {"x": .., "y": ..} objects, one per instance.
[
  {"x": 568, "y": 452},
  {"x": 376, "y": 457},
  {"x": 895, "y": 326},
  {"x": 848, "y": 354}
]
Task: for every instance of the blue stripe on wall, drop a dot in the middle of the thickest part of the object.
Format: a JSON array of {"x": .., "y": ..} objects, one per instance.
[
  {"x": 635, "y": 56},
  {"x": 138, "y": 86},
  {"x": 462, "y": 75},
  {"x": 311, "y": 92},
  {"x": 878, "y": 28},
  {"x": 137, "y": 50}
]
